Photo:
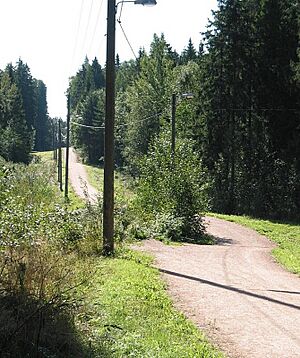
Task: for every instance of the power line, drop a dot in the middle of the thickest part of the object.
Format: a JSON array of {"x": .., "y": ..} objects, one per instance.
[
  {"x": 118, "y": 126},
  {"x": 86, "y": 126},
  {"x": 96, "y": 23},
  {"x": 132, "y": 50},
  {"x": 87, "y": 26},
  {"x": 77, "y": 32},
  {"x": 258, "y": 109}
]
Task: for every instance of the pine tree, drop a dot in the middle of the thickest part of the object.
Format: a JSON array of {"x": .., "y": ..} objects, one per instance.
[
  {"x": 25, "y": 84},
  {"x": 188, "y": 54},
  {"x": 42, "y": 124},
  {"x": 87, "y": 136},
  {"x": 15, "y": 137}
]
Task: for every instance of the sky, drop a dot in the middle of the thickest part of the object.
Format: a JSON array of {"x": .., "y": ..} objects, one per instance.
[{"x": 54, "y": 36}]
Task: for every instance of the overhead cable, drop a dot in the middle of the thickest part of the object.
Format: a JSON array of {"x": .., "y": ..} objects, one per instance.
[
  {"x": 87, "y": 26},
  {"x": 126, "y": 37},
  {"x": 118, "y": 126},
  {"x": 96, "y": 23},
  {"x": 86, "y": 126},
  {"x": 77, "y": 32}
]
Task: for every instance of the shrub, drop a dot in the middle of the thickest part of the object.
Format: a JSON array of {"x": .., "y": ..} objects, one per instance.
[{"x": 171, "y": 191}]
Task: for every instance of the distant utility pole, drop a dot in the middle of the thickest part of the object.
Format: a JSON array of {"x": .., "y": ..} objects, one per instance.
[
  {"x": 108, "y": 192},
  {"x": 59, "y": 157},
  {"x": 173, "y": 125},
  {"x": 54, "y": 140},
  {"x": 67, "y": 150}
]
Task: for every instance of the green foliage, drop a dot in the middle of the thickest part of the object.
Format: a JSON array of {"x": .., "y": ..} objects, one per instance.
[
  {"x": 188, "y": 54},
  {"x": 87, "y": 108},
  {"x": 15, "y": 137},
  {"x": 169, "y": 184},
  {"x": 249, "y": 102},
  {"x": 42, "y": 123},
  {"x": 89, "y": 78},
  {"x": 145, "y": 101},
  {"x": 90, "y": 141},
  {"x": 24, "y": 122},
  {"x": 171, "y": 190},
  {"x": 44, "y": 258}
]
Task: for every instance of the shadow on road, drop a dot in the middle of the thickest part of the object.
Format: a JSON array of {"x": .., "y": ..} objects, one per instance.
[{"x": 230, "y": 288}]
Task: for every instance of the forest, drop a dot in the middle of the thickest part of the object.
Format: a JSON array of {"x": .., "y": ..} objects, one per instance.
[
  {"x": 24, "y": 122},
  {"x": 242, "y": 125}
]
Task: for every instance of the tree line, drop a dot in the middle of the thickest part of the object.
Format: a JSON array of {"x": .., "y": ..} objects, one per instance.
[
  {"x": 243, "y": 121},
  {"x": 24, "y": 121},
  {"x": 87, "y": 102}
]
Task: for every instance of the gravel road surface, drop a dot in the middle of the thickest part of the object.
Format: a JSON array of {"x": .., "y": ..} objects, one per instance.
[
  {"x": 79, "y": 180},
  {"x": 234, "y": 291},
  {"x": 246, "y": 303}
]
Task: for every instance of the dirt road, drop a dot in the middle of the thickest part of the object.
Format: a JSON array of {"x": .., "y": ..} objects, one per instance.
[
  {"x": 246, "y": 303},
  {"x": 79, "y": 180},
  {"x": 234, "y": 291}
]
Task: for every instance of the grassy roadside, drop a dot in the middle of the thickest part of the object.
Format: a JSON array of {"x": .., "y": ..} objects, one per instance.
[
  {"x": 74, "y": 202},
  {"x": 286, "y": 235},
  {"x": 129, "y": 313},
  {"x": 95, "y": 176},
  {"x": 124, "y": 310}
]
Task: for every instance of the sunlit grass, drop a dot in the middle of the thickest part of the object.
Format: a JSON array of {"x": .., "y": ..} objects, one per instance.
[
  {"x": 73, "y": 201},
  {"x": 96, "y": 178},
  {"x": 286, "y": 235},
  {"x": 131, "y": 315},
  {"x": 125, "y": 310}
]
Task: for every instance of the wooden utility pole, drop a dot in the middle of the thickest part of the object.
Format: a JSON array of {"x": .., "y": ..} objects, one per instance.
[
  {"x": 59, "y": 157},
  {"x": 173, "y": 125},
  {"x": 67, "y": 150},
  {"x": 108, "y": 191},
  {"x": 54, "y": 140},
  {"x": 57, "y": 147}
]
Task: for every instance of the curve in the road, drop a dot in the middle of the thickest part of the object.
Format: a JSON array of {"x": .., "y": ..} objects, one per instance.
[{"x": 235, "y": 291}]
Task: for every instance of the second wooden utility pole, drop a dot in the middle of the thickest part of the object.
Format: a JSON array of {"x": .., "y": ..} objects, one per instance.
[
  {"x": 67, "y": 150},
  {"x": 59, "y": 157},
  {"x": 173, "y": 125}
]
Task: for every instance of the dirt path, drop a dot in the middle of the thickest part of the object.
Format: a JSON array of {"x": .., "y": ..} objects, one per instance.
[
  {"x": 79, "y": 180},
  {"x": 235, "y": 291},
  {"x": 246, "y": 303}
]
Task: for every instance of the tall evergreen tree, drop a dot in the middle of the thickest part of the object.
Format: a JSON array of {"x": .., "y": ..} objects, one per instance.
[
  {"x": 86, "y": 134},
  {"x": 15, "y": 137},
  {"x": 189, "y": 53},
  {"x": 25, "y": 84},
  {"x": 250, "y": 131},
  {"x": 42, "y": 123}
]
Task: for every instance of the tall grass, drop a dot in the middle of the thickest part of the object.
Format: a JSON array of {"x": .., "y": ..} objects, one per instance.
[{"x": 44, "y": 258}]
